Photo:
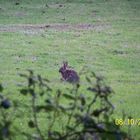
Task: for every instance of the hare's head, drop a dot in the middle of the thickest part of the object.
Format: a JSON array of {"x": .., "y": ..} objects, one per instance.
[{"x": 64, "y": 67}]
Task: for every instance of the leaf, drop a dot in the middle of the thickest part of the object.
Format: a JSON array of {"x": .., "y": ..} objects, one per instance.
[
  {"x": 93, "y": 74},
  {"x": 31, "y": 124},
  {"x": 47, "y": 108},
  {"x": 32, "y": 92},
  {"x": 1, "y": 88},
  {"x": 81, "y": 108},
  {"x": 58, "y": 93},
  {"x": 39, "y": 108},
  {"x": 106, "y": 89},
  {"x": 41, "y": 93},
  {"x": 30, "y": 71},
  {"x": 23, "y": 75},
  {"x": 48, "y": 101},
  {"x": 24, "y": 91},
  {"x": 96, "y": 113},
  {"x": 92, "y": 89},
  {"x": 31, "y": 81},
  {"x": 46, "y": 80},
  {"x": 70, "y": 128},
  {"x": 50, "y": 108},
  {"x": 88, "y": 79},
  {"x": 69, "y": 96},
  {"x": 78, "y": 117},
  {"x": 62, "y": 108},
  {"x": 54, "y": 135},
  {"x": 48, "y": 88},
  {"x": 1, "y": 96},
  {"x": 82, "y": 99}
]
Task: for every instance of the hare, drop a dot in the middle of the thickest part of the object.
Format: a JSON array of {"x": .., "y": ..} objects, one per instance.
[{"x": 69, "y": 74}]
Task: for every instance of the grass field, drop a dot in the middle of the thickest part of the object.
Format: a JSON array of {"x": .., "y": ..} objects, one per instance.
[{"x": 103, "y": 35}]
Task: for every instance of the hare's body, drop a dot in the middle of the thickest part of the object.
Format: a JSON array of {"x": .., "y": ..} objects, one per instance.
[{"x": 68, "y": 74}]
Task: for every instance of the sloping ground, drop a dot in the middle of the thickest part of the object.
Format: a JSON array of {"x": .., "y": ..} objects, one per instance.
[{"x": 38, "y": 28}]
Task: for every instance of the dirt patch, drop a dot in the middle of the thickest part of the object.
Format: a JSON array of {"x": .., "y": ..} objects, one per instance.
[
  {"x": 39, "y": 28},
  {"x": 19, "y": 14}
]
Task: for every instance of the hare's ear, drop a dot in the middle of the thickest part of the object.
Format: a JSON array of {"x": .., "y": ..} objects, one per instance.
[{"x": 65, "y": 64}]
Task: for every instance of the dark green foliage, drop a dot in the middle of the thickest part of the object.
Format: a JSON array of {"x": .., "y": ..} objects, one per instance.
[
  {"x": 79, "y": 116},
  {"x": 1, "y": 88}
]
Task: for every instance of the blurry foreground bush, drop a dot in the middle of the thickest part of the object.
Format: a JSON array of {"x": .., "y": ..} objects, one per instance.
[{"x": 70, "y": 114}]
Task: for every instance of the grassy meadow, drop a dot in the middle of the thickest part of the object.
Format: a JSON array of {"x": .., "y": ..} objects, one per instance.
[{"x": 102, "y": 35}]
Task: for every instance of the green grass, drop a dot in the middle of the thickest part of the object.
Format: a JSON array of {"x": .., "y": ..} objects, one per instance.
[{"x": 111, "y": 50}]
